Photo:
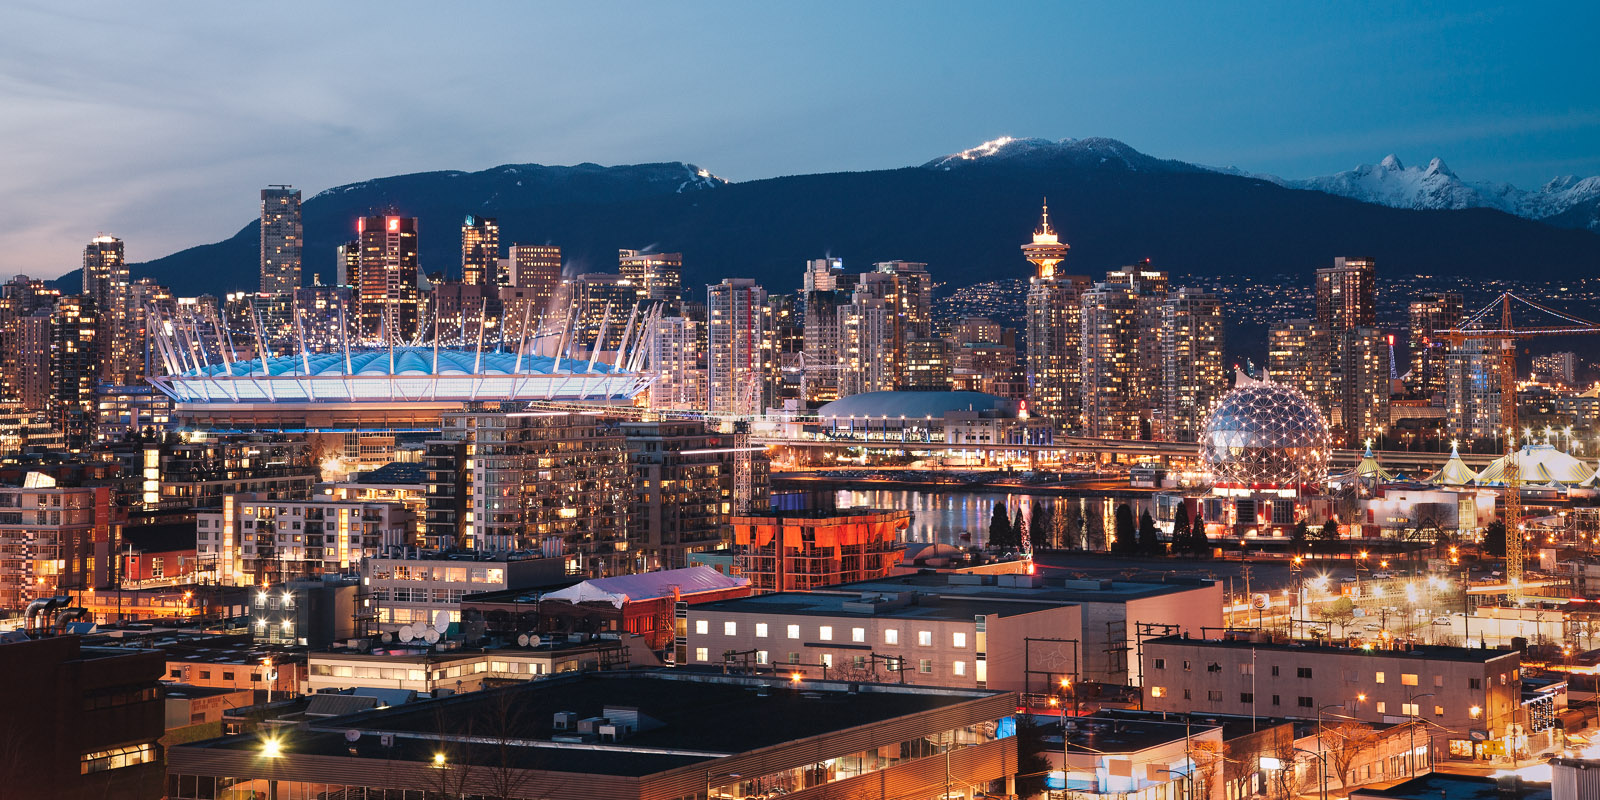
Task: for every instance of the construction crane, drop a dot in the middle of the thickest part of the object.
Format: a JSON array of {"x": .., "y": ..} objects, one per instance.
[{"x": 1475, "y": 328}]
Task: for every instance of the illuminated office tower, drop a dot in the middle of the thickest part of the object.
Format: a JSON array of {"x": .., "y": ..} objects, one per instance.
[
  {"x": 676, "y": 358},
  {"x": 928, "y": 365},
  {"x": 1055, "y": 313},
  {"x": 823, "y": 274},
  {"x": 480, "y": 252},
  {"x": 1299, "y": 354},
  {"x": 1472, "y": 390},
  {"x": 144, "y": 294},
  {"x": 282, "y": 239},
  {"x": 1192, "y": 374},
  {"x": 387, "y": 293},
  {"x": 1151, "y": 287},
  {"x": 601, "y": 300},
  {"x": 105, "y": 282},
  {"x": 1433, "y": 312},
  {"x": 74, "y": 367},
  {"x": 1559, "y": 368},
  {"x": 736, "y": 327},
  {"x": 869, "y": 355},
  {"x": 912, "y": 299},
  {"x": 35, "y": 340},
  {"x": 820, "y": 375},
  {"x": 1346, "y": 294},
  {"x": 656, "y": 277},
  {"x": 1365, "y": 373},
  {"x": 21, "y": 298},
  {"x": 347, "y": 264},
  {"x": 1111, "y": 365},
  {"x": 536, "y": 267},
  {"x": 785, "y": 343}
]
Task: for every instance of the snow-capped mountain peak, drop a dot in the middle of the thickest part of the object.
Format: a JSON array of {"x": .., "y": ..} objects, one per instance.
[
  {"x": 1095, "y": 150},
  {"x": 1392, "y": 163}
]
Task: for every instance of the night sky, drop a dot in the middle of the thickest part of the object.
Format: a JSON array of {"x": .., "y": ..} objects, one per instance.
[{"x": 159, "y": 122}]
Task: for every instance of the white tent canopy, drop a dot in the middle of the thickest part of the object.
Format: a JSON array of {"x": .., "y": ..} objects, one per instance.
[{"x": 648, "y": 585}]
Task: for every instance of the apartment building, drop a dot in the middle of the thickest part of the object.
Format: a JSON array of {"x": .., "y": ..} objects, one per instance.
[
  {"x": 880, "y": 636},
  {"x": 411, "y": 588},
  {"x": 254, "y": 539},
  {"x": 1467, "y": 695}
]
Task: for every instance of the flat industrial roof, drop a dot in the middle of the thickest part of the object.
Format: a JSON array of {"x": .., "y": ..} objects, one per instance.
[
  {"x": 832, "y": 604},
  {"x": 701, "y": 718},
  {"x": 1057, "y": 589},
  {"x": 1421, "y": 652}
]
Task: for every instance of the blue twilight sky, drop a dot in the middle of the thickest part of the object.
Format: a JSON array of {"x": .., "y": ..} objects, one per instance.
[{"x": 158, "y": 122}]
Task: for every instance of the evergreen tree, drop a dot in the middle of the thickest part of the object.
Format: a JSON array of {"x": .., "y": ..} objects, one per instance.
[
  {"x": 1330, "y": 530},
  {"x": 1301, "y": 532},
  {"x": 1180, "y": 529},
  {"x": 1044, "y": 525},
  {"x": 1494, "y": 539},
  {"x": 999, "y": 527},
  {"x": 1019, "y": 531},
  {"x": 1198, "y": 543},
  {"x": 1150, "y": 537},
  {"x": 1125, "y": 535}
]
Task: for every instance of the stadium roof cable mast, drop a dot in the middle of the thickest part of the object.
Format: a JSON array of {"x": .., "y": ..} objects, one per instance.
[
  {"x": 1475, "y": 328},
  {"x": 383, "y": 384}
]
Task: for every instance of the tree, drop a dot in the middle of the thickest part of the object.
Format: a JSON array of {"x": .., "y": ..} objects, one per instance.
[
  {"x": 1019, "y": 531},
  {"x": 1301, "y": 532},
  {"x": 1339, "y": 612},
  {"x": 1494, "y": 539},
  {"x": 1042, "y": 531},
  {"x": 1124, "y": 537},
  {"x": 1329, "y": 531},
  {"x": 1032, "y": 758},
  {"x": 1180, "y": 528},
  {"x": 1150, "y": 537},
  {"x": 999, "y": 527},
  {"x": 1345, "y": 743},
  {"x": 1198, "y": 543}
]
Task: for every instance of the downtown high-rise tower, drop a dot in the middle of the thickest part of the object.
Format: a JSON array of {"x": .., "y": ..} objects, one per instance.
[{"x": 282, "y": 239}]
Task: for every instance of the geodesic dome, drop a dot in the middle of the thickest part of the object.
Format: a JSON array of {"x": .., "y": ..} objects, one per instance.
[{"x": 1263, "y": 435}]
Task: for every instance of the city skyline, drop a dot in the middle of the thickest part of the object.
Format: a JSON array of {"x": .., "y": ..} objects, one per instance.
[{"x": 199, "y": 119}]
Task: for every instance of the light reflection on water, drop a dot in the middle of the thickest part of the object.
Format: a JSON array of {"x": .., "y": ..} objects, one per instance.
[{"x": 941, "y": 517}]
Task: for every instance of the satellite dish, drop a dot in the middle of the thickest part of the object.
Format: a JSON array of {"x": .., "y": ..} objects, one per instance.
[
  {"x": 387, "y": 637},
  {"x": 522, "y": 641},
  {"x": 534, "y": 641},
  {"x": 406, "y": 633},
  {"x": 432, "y": 636},
  {"x": 441, "y": 620},
  {"x": 352, "y": 735}
]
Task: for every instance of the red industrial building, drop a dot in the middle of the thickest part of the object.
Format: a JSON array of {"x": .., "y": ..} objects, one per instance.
[{"x": 635, "y": 604}]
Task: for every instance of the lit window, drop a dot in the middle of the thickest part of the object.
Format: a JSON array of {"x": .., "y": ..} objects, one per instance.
[
  {"x": 794, "y": 631},
  {"x": 761, "y": 630},
  {"x": 958, "y": 639},
  {"x": 1408, "y": 709},
  {"x": 702, "y": 654},
  {"x": 1408, "y": 679},
  {"x": 924, "y": 638},
  {"x": 858, "y": 634},
  {"x": 925, "y": 666},
  {"x": 891, "y": 636},
  {"x": 730, "y": 628},
  {"x": 1158, "y": 691},
  {"x": 825, "y": 633},
  {"x": 958, "y": 667},
  {"x": 1379, "y": 679},
  {"x": 701, "y": 626},
  {"x": 1383, "y": 708},
  {"x": 762, "y": 657}
]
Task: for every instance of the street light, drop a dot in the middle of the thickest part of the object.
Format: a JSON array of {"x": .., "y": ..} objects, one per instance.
[{"x": 1411, "y": 757}]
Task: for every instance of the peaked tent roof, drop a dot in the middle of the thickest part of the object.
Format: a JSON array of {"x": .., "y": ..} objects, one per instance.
[
  {"x": 1539, "y": 464},
  {"x": 1455, "y": 471},
  {"x": 648, "y": 585}
]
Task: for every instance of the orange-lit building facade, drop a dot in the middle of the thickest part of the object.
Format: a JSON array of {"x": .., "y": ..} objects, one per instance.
[{"x": 804, "y": 550}]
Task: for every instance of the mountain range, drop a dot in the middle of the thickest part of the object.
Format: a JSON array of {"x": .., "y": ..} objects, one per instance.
[{"x": 965, "y": 214}]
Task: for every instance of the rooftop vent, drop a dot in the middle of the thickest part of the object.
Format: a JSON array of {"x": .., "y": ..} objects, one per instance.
[{"x": 564, "y": 721}]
